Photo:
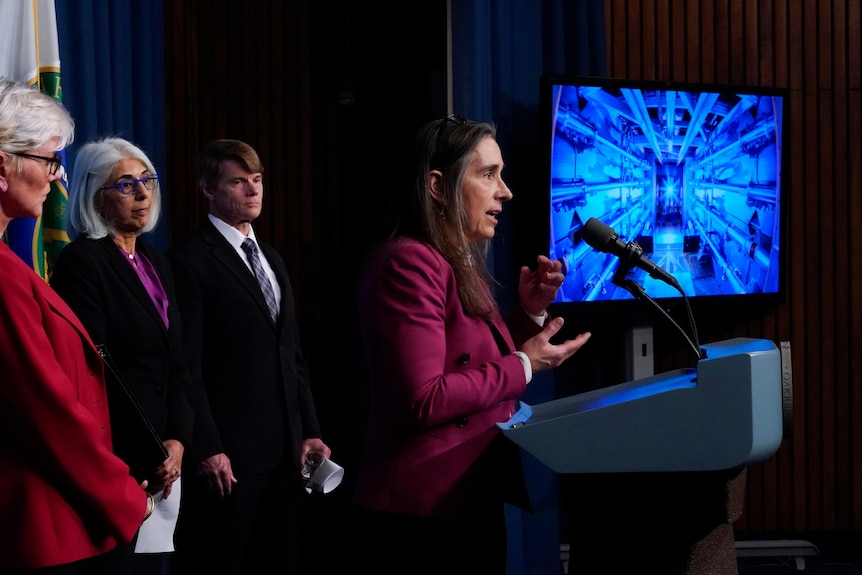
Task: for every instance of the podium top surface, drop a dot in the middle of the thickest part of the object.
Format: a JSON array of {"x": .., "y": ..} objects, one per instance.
[{"x": 724, "y": 414}]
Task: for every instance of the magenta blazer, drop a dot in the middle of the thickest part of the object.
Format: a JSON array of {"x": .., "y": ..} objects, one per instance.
[
  {"x": 439, "y": 383},
  {"x": 64, "y": 496}
]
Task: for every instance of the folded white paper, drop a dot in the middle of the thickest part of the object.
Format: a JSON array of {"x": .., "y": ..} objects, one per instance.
[{"x": 156, "y": 534}]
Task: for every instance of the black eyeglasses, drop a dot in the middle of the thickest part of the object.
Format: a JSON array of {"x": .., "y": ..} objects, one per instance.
[
  {"x": 456, "y": 119},
  {"x": 453, "y": 119},
  {"x": 54, "y": 162},
  {"x": 129, "y": 186}
]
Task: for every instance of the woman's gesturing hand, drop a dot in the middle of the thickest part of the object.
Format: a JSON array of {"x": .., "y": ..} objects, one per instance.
[
  {"x": 537, "y": 289},
  {"x": 546, "y": 355}
]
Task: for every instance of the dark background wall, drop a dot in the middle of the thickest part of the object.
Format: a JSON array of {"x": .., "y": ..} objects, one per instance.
[{"x": 329, "y": 92}]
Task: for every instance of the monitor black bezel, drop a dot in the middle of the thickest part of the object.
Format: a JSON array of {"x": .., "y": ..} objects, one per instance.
[{"x": 546, "y": 118}]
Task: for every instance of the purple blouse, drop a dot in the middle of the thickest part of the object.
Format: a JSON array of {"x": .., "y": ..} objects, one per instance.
[{"x": 151, "y": 281}]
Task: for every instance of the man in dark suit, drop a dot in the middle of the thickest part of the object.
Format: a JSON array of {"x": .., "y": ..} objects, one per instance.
[{"x": 257, "y": 421}]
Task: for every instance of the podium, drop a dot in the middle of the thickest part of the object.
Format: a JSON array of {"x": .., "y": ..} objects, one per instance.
[{"x": 656, "y": 466}]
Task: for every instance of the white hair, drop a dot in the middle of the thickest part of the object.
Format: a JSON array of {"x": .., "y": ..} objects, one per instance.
[
  {"x": 93, "y": 167},
  {"x": 29, "y": 119}
]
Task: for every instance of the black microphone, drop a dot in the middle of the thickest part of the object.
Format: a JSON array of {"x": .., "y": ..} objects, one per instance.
[{"x": 603, "y": 238}]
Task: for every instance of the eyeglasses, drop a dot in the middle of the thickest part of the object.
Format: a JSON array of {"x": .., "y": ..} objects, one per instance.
[
  {"x": 54, "y": 162},
  {"x": 129, "y": 186},
  {"x": 455, "y": 119}
]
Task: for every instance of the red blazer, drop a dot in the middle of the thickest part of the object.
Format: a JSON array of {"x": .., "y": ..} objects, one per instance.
[
  {"x": 64, "y": 496},
  {"x": 439, "y": 383}
]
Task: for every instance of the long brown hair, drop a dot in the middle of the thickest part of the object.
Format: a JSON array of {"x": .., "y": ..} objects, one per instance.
[{"x": 448, "y": 145}]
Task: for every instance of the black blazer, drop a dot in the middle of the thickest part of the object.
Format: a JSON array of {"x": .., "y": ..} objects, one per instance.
[
  {"x": 258, "y": 405},
  {"x": 100, "y": 286}
]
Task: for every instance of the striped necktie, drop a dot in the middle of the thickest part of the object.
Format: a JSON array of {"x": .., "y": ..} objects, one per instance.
[{"x": 265, "y": 286}]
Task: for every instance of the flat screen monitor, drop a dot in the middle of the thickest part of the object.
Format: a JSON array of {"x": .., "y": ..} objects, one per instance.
[{"x": 690, "y": 174}]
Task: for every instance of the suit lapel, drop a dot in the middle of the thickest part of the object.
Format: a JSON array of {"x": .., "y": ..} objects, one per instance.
[
  {"x": 130, "y": 278},
  {"x": 226, "y": 255}
]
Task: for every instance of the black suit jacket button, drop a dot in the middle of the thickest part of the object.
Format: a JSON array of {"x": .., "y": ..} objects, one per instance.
[
  {"x": 463, "y": 358},
  {"x": 462, "y": 422}
]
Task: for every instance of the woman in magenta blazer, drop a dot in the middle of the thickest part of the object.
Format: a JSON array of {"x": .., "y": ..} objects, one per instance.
[
  {"x": 64, "y": 496},
  {"x": 445, "y": 367}
]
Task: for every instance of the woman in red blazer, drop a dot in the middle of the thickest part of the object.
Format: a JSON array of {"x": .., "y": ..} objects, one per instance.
[
  {"x": 445, "y": 367},
  {"x": 64, "y": 496}
]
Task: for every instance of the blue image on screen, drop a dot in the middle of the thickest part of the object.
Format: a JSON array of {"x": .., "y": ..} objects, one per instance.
[{"x": 693, "y": 175}]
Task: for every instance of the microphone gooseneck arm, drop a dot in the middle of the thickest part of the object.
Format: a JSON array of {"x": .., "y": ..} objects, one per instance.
[
  {"x": 638, "y": 292},
  {"x": 632, "y": 255},
  {"x": 603, "y": 238}
]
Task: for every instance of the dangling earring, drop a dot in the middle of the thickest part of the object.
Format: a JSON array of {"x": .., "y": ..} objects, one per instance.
[{"x": 443, "y": 211}]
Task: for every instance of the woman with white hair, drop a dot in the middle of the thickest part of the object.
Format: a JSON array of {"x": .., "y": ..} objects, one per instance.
[
  {"x": 123, "y": 291},
  {"x": 65, "y": 497}
]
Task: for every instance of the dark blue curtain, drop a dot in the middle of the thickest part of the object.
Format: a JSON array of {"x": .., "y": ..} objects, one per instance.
[
  {"x": 112, "y": 65},
  {"x": 500, "y": 48}
]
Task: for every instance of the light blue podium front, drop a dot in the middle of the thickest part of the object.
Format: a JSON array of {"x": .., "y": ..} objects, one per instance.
[{"x": 726, "y": 413}]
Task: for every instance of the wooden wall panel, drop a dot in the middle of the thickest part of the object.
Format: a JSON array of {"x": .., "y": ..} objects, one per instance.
[
  {"x": 242, "y": 75},
  {"x": 814, "y": 482}
]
